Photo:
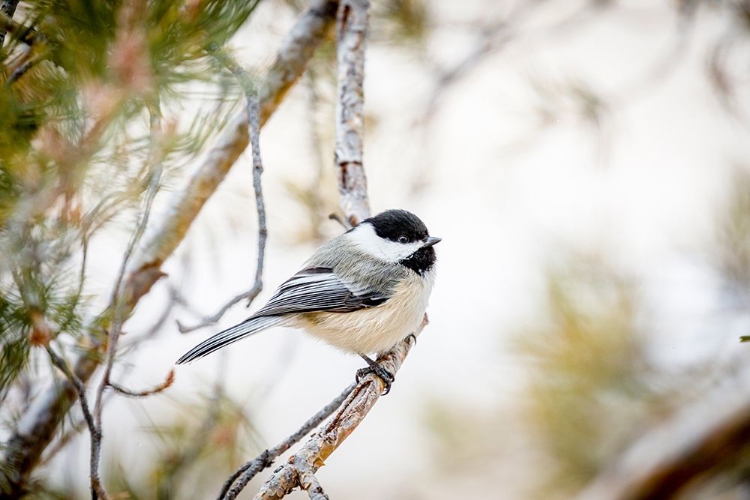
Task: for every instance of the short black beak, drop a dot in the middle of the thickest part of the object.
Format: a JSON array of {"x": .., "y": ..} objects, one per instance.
[{"x": 431, "y": 240}]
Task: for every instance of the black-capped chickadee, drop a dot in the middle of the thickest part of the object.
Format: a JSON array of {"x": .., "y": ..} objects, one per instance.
[{"x": 362, "y": 292}]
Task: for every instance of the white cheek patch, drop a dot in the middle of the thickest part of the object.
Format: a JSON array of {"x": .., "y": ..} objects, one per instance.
[{"x": 367, "y": 240}]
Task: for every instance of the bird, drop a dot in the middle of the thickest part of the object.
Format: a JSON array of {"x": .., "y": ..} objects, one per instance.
[{"x": 361, "y": 292}]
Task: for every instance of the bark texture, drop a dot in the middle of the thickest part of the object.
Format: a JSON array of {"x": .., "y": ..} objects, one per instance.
[
  {"x": 303, "y": 464},
  {"x": 351, "y": 34}
]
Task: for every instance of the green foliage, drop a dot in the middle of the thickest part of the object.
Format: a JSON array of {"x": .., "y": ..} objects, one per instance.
[
  {"x": 14, "y": 344},
  {"x": 84, "y": 128}
]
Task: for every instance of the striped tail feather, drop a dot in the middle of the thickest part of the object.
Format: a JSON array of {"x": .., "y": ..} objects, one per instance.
[{"x": 248, "y": 327}]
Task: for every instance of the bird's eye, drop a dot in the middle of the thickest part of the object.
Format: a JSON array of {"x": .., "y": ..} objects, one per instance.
[{"x": 403, "y": 239}]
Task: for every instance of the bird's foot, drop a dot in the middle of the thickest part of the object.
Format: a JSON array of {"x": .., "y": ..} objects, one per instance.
[{"x": 374, "y": 367}]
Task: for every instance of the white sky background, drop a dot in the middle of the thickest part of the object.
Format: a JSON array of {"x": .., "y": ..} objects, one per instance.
[{"x": 643, "y": 191}]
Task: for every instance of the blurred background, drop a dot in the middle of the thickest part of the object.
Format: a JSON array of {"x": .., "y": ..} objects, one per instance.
[{"x": 587, "y": 164}]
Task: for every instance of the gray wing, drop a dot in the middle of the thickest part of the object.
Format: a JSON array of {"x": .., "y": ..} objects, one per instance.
[
  {"x": 312, "y": 289},
  {"x": 320, "y": 289}
]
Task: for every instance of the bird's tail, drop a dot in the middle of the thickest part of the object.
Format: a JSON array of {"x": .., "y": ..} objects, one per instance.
[{"x": 248, "y": 327}]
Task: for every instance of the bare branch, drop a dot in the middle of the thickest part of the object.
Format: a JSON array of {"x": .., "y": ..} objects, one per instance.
[
  {"x": 244, "y": 474},
  {"x": 310, "y": 483},
  {"x": 351, "y": 31},
  {"x": 322, "y": 444},
  {"x": 211, "y": 320},
  {"x": 117, "y": 306},
  {"x": 253, "y": 124},
  {"x": 22, "y": 33},
  {"x": 707, "y": 435},
  {"x": 341, "y": 220},
  {"x": 37, "y": 427},
  {"x": 148, "y": 392},
  {"x": 97, "y": 490}
]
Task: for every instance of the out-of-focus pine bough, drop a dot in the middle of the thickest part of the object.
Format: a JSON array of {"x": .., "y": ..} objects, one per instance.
[{"x": 73, "y": 160}]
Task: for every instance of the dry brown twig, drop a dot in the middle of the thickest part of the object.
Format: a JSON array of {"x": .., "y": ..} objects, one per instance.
[
  {"x": 38, "y": 426},
  {"x": 146, "y": 392}
]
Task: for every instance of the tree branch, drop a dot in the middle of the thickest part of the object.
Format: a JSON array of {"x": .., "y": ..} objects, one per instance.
[
  {"x": 147, "y": 392},
  {"x": 97, "y": 490},
  {"x": 707, "y": 435},
  {"x": 247, "y": 472},
  {"x": 113, "y": 337},
  {"x": 37, "y": 427},
  {"x": 8, "y": 25},
  {"x": 310, "y": 483},
  {"x": 351, "y": 31},
  {"x": 321, "y": 445},
  {"x": 298, "y": 48}
]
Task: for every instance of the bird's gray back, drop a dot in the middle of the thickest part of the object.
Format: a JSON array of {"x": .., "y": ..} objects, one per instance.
[{"x": 349, "y": 261}]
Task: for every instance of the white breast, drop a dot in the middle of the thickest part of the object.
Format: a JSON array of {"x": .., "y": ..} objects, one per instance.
[{"x": 376, "y": 329}]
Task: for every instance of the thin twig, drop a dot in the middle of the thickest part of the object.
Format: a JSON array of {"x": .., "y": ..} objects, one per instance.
[
  {"x": 147, "y": 392},
  {"x": 253, "y": 125},
  {"x": 345, "y": 223},
  {"x": 117, "y": 305},
  {"x": 97, "y": 490},
  {"x": 250, "y": 295},
  {"x": 248, "y": 471},
  {"x": 309, "y": 31}
]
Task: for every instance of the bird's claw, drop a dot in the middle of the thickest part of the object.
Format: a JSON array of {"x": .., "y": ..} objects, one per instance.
[{"x": 386, "y": 376}]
